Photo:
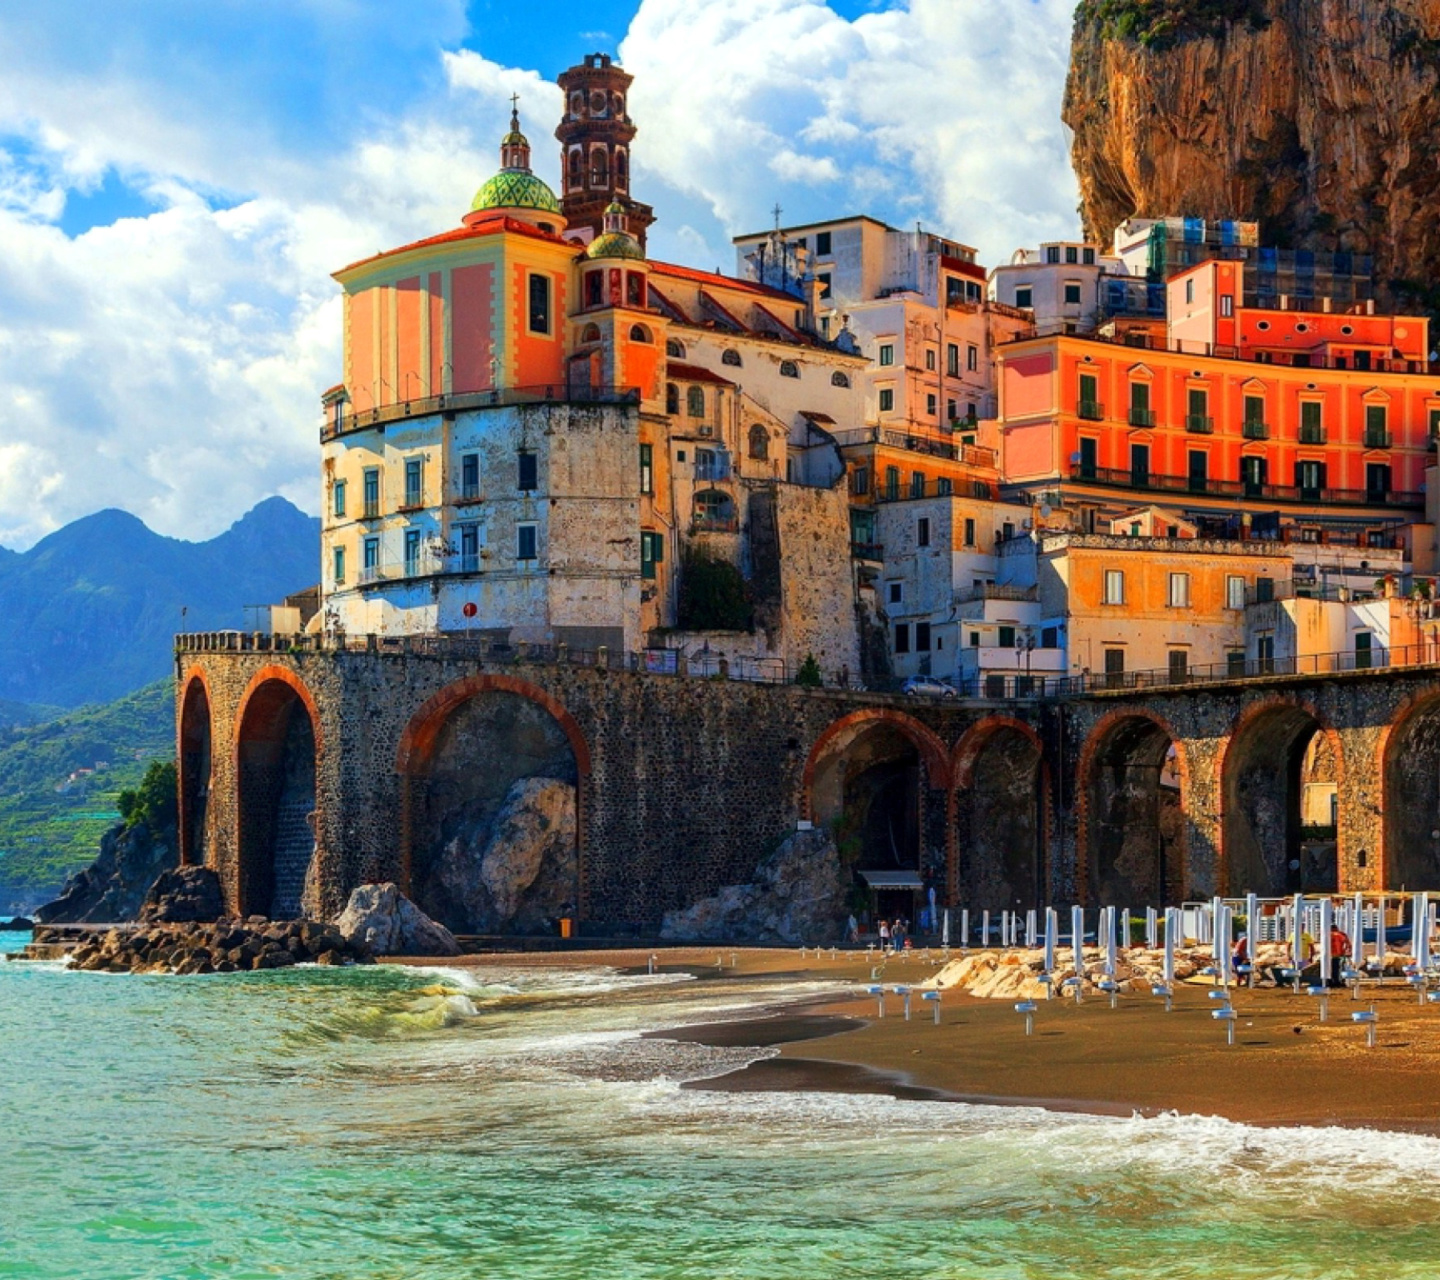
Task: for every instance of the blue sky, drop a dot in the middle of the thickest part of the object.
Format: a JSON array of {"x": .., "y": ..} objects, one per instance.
[{"x": 177, "y": 181}]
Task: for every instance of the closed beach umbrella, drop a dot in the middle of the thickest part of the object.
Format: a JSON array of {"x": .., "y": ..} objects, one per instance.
[
  {"x": 1380, "y": 931},
  {"x": 1052, "y": 935},
  {"x": 945, "y": 929},
  {"x": 1110, "y": 954},
  {"x": 1420, "y": 931},
  {"x": 1172, "y": 927},
  {"x": 1077, "y": 928},
  {"x": 984, "y": 928},
  {"x": 1252, "y": 925},
  {"x": 1151, "y": 922},
  {"x": 1357, "y": 932},
  {"x": 965, "y": 926},
  {"x": 932, "y": 906},
  {"x": 1297, "y": 930},
  {"x": 1030, "y": 928},
  {"x": 1327, "y": 923}
]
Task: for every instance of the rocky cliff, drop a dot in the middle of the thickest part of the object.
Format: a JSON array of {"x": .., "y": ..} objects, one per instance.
[
  {"x": 113, "y": 887},
  {"x": 1319, "y": 118}
]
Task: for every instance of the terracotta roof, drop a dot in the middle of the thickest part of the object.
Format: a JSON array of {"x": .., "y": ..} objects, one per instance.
[
  {"x": 475, "y": 231},
  {"x": 715, "y": 278},
  {"x": 694, "y": 373}
]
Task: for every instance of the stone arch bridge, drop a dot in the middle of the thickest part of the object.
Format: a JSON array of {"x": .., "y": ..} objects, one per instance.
[{"x": 306, "y": 769}]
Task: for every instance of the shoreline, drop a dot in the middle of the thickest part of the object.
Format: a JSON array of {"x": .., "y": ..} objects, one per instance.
[{"x": 1285, "y": 1069}]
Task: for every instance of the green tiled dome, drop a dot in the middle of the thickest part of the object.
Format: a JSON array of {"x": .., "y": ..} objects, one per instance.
[
  {"x": 515, "y": 189},
  {"x": 615, "y": 244}
]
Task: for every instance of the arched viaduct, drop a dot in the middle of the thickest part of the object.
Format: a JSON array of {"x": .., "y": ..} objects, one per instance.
[{"x": 307, "y": 771}]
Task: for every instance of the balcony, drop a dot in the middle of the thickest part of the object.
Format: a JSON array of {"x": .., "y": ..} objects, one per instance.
[
  {"x": 465, "y": 563},
  {"x": 461, "y": 401},
  {"x": 1254, "y": 429},
  {"x": 1312, "y": 435},
  {"x": 1200, "y": 424},
  {"x": 371, "y": 510},
  {"x": 1091, "y": 411},
  {"x": 1141, "y": 417},
  {"x": 714, "y": 524},
  {"x": 1377, "y": 438},
  {"x": 997, "y": 591},
  {"x": 973, "y": 455},
  {"x": 468, "y": 493},
  {"x": 871, "y": 551},
  {"x": 713, "y": 471},
  {"x": 1114, "y": 477}
]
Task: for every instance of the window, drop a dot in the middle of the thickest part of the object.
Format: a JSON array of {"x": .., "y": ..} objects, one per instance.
[
  {"x": 1363, "y": 657},
  {"x": 695, "y": 401},
  {"x": 635, "y": 293},
  {"x": 652, "y": 552},
  {"x": 1179, "y": 590},
  {"x": 1052, "y": 253},
  {"x": 1434, "y": 423},
  {"x": 339, "y": 565},
  {"x": 887, "y": 399},
  {"x": 922, "y": 637},
  {"x": 1140, "y": 415},
  {"x": 1199, "y": 472},
  {"x": 1049, "y": 637},
  {"x": 860, "y": 485},
  {"x": 412, "y": 482},
  {"x": 1376, "y": 436},
  {"x": 838, "y": 379},
  {"x": 969, "y": 532},
  {"x": 594, "y": 289},
  {"x": 1140, "y": 465},
  {"x": 1087, "y": 256},
  {"x": 902, "y": 637},
  {"x": 1227, "y": 305},
  {"x": 469, "y": 476},
  {"x": 525, "y": 542},
  {"x": 789, "y": 369},
  {"x": 412, "y": 552},
  {"x": 647, "y": 468},
  {"x": 731, "y": 357},
  {"x": 887, "y": 354},
  {"x": 1234, "y": 592},
  {"x": 1377, "y": 481},
  {"x": 529, "y": 470},
  {"x": 1310, "y": 480},
  {"x": 1005, "y": 637},
  {"x": 1089, "y": 407},
  {"x": 951, "y": 412},
  {"x": 1114, "y": 668},
  {"x": 892, "y": 483},
  {"x": 539, "y": 304},
  {"x": 1264, "y": 590},
  {"x": 1254, "y": 414},
  {"x": 824, "y": 278},
  {"x": 931, "y": 405},
  {"x": 974, "y": 639},
  {"x": 759, "y": 442},
  {"x": 1235, "y": 662},
  {"x": 1071, "y": 254},
  {"x": 1189, "y": 291},
  {"x": 952, "y": 361},
  {"x": 1254, "y": 474},
  {"x": 337, "y": 498},
  {"x": 1312, "y": 429},
  {"x": 894, "y": 592},
  {"x": 672, "y": 398},
  {"x": 1114, "y": 587},
  {"x": 1265, "y": 653},
  {"x": 372, "y": 491},
  {"x": 639, "y": 333},
  {"x": 1179, "y": 666},
  {"x": 944, "y": 488},
  {"x": 674, "y": 348},
  {"x": 713, "y": 510},
  {"x": 1072, "y": 294},
  {"x": 1197, "y": 410},
  {"x": 930, "y": 359},
  {"x": 972, "y": 357},
  {"x": 922, "y": 532},
  {"x": 469, "y": 548},
  {"x": 1089, "y": 457},
  {"x": 370, "y": 555},
  {"x": 1024, "y": 296},
  {"x": 822, "y": 244},
  {"x": 917, "y": 484}
]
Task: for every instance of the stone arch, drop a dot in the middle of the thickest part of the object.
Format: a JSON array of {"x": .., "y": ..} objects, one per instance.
[
  {"x": 1409, "y": 757},
  {"x": 278, "y": 745},
  {"x": 1134, "y": 781},
  {"x": 1280, "y": 762},
  {"x": 1001, "y": 784},
  {"x": 494, "y": 773},
  {"x": 195, "y": 758}
]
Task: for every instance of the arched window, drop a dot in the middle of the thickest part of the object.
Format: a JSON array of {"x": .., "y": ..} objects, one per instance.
[
  {"x": 617, "y": 105},
  {"x": 695, "y": 402},
  {"x": 577, "y": 168},
  {"x": 621, "y": 168},
  {"x": 838, "y": 379},
  {"x": 714, "y": 510},
  {"x": 731, "y": 357},
  {"x": 672, "y": 398},
  {"x": 594, "y": 288},
  {"x": 674, "y": 348},
  {"x": 590, "y": 333},
  {"x": 789, "y": 369},
  {"x": 577, "y": 104},
  {"x": 759, "y": 442},
  {"x": 599, "y": 167},
  {"x": 639, "y": 333}
]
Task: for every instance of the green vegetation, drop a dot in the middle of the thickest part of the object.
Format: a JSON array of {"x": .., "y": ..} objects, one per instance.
[
  {"x": 56, "y": 803},
  {"x": 154, "y": 802},
  {"x": 714, "y": 595},
  {"x": 1159, "y": 24},
  {"x": 809, "y": 673}
]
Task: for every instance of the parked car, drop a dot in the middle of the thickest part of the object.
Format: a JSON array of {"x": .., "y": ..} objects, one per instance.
[{"x": 925, "y": 687}]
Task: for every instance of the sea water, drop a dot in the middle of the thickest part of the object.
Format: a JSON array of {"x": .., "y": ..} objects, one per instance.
[{"x": 383, "y": 1122}]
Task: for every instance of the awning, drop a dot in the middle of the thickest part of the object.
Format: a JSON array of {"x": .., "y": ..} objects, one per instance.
[{"x": 893, "y": 879}]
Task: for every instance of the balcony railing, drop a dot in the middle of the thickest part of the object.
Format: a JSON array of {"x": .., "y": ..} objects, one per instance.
[
  {"x": 1091, "y": 411},
  {"x": 997, "y": 591},
  {"x": 974, "y": 455},
  {"x": 1141, "y": 417},
  {"x": 371, "y": 509},
  {"x": 1200, "y": 424},
  {"x": 461, "y": 401},
  {"x": 1377, "y": 438},
  {"x": 942, "y": 487},
  {"x": 468, "y": 493},
  {"x": 464, "y": 563},
  {"x": 1254, "y": 429},
  {"x": 867, "y": 551},
  {"x": 712, "y": 471},
  {"x": 1312, "y": 435},
  {"x": 1151, "y": 482},
  {"x": 715, "y": 524}
]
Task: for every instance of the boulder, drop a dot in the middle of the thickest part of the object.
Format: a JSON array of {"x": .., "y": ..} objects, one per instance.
[
  {"x": 183, "y": 896},
  {"x": 383, "y": 919},
  {"x": 796, "y": 895}
]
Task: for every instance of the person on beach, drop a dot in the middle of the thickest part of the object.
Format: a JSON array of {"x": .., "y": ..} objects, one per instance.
[
  {"x": 1339, "y": 955},
  {"x": 852, "y": 929},
  {"x": 884, "y": 935}
]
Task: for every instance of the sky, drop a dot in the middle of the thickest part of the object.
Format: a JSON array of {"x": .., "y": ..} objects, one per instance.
[{"x": 178, "y": 181}]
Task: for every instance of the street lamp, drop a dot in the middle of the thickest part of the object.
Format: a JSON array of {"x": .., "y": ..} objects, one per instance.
[{"x": 1025, "y": 643}]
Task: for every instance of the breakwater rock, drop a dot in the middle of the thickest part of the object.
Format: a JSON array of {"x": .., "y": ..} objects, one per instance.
[
  {"x": 222, "y": 946},
  {"x": 384, "y": 921}
]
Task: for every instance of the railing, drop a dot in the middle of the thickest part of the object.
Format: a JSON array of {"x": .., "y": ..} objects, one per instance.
[
  {"x": 1091, "y": 411},
  {"x": 468, "y": 493},
  {"x": 1291, "y": 589},
  {"x": 1130, "y": 479},
  {"x": 867, "y": 551},
  {"x": 1377, "y": 438},
  {"x": 715, "y": 524},
  {"x": 974, "y": 455},
  {"x": 712, "y": 471},
  {"x": 371, "y": 510},
  {"x": 943, "y": 487},
  {"x": 1255, "y": 430},
  {"x": 464, "y": 563},
  {"x": 1141, "y": 417},
  {"x": 997, "y": 591},
  {"x": 460, "y": 401},
  {"x": 1200, "y": 424},
  {"x": 1312, "y": 435}
]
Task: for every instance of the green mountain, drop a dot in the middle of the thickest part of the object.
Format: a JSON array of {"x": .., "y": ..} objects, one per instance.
[
  {"x": 60, "y": 782},
  {"x": 89, "y": 613}
]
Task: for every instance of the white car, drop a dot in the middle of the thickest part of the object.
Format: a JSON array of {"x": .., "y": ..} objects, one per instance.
[{"x": 925, "y": 687}]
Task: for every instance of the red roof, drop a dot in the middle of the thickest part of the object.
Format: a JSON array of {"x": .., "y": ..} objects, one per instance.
[
  {"x": 715, "y": 278},
  {"x": 694, "y": 373},
  {"x": 486, "y": 227}
]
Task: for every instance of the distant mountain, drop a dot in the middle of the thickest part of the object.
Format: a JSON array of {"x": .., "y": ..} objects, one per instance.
[{"x": 89, "y": 613}]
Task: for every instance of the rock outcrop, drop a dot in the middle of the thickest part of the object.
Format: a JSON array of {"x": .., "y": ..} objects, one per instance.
[
  {"x": 185, "y": 895},
  {"x": 113, "y": 887},
  {"x": 518, "y": 871},
  {"x": 1319, "y": 120},
  {"x": 797, "y": 895},
  {"x": 384, "y": 921}
]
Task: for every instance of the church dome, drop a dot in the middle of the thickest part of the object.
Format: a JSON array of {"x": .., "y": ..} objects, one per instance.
[
  {"x": 515, "y": 189},
  {"x": 615, "y": 241}
]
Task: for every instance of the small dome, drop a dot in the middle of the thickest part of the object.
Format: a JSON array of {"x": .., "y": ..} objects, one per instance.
[
  {"x": 515, "y": 189},
  {"x": 615, "y": 244}
]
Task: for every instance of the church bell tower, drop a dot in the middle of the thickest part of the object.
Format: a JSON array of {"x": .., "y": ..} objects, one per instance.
[{"x": 595, "y": 134}]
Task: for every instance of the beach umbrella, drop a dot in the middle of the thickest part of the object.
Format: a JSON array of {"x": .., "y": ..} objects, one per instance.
[
  {"x": 1357, "y": 932},
  {"x": 1380, "y": 933},
  {"x": 1297, "y": 931},
  {"x": 1327, "y": 923},
  {"x": 1172, "y": 927},
  {"x": 1110, "y": 953},
  {"x": 1420, "y": 931},
  {"x": 984, "y": 928},
  {"x": 1030, "y": 927},
  {"x": 1151, "y": 929},
  {"x": 1218, "y": 949},
  {"x": 945, "y": 929},
  {"x": 1077, "y": 929},
  {"x": 932, "y": 906},
  {"x": 1052, "y": 933},
  {"x": 964, "y": 927},
  {"x": 1004, "y": 928}
]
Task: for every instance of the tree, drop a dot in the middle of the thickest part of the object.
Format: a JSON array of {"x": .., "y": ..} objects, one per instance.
[
  {"x": 809, "y": 673},
  {"x": 153, "y": 801}
]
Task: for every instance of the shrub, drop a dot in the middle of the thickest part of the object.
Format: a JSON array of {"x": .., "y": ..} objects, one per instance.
[
  {"x": 714, "y": 595},
  {"x": 153, "y": 801},
  {"x": 809, "y": 673}
]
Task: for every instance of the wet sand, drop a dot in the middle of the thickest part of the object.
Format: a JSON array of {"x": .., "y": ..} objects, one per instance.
[{"x": 1286, "y": 1067}]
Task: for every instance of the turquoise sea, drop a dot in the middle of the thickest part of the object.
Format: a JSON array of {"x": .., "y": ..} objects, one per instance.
[{"x": 323, "y": 1123}]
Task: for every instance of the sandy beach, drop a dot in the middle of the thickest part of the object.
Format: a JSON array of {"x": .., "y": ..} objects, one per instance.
[{"x": 1286, "y": 1067}]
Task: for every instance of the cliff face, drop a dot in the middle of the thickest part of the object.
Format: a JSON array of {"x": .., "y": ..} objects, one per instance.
[{"x": 1319, "y": 118}]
